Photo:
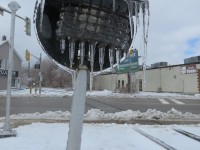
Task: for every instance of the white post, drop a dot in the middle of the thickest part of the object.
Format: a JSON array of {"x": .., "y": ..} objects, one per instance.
[
  {"x": 14, "y": 6},
  {"x": 77, "y": 111},
  {"x": 40, "y": 75}
]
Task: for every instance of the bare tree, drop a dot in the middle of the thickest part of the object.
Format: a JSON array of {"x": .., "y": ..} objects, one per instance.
[{"x": 53, "y": 76}]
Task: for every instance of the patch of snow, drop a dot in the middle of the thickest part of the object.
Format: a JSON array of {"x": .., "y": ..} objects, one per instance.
[
  {"x": 46, "y": 92},
  {"x": 42, "y": 136},
  {"x": 52, "y": 92}
]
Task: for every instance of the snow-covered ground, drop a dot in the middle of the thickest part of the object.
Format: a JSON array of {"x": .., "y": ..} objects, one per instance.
[
  {"x": 46, "y": 92},
  {"x": 41, "y": 136},
  {"x": 53, "y": 136},
  {"x": 51, "y": 92}
]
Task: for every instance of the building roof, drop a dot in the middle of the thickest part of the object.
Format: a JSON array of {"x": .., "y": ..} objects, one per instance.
[{"x": 6, "y": 41}]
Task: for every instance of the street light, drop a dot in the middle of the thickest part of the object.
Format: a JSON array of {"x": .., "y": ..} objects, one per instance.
[{"x": 7, "y": 130}]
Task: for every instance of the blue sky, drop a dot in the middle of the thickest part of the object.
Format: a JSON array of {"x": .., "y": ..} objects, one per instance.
[
  {"x": 173, "y": 35},
  {"x": 193, "y": 42},
  {"x": 192, "y": 47}
]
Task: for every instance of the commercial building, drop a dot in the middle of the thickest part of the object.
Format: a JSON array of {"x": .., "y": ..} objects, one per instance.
[
  {"x": 17, "y": 62},
  {"x": 183, "y": 78}
]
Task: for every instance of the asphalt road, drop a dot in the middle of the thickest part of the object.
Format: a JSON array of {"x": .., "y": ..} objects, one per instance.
[{"x": 109, "y": 105}]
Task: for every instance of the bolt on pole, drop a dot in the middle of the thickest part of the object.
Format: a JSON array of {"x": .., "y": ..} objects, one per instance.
[{"x": 14, "y": 6}]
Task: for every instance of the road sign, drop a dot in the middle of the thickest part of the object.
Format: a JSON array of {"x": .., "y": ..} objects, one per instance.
[
  {"x": 129, "y": 64},
  {"x": 5, "y": 73},
  {"x": 37, "y": 66}
]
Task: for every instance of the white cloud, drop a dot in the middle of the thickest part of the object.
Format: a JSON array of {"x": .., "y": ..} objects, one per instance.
[
  {"x": 22, "y": 41},
  {"x": 172, "y": 24}
]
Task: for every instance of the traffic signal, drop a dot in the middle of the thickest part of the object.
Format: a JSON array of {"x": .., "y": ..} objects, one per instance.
[
  {"x": 131, "y": 51},
  {"x": 27, "y": 55},
  {"x": 27, "y": 26}
]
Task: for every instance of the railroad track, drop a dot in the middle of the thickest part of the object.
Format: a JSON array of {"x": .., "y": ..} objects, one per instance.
[
  {"x": 164, "y": 144},
  {"x": 188, "y": 134}
]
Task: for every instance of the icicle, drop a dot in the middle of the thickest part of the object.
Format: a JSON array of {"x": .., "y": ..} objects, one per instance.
[
  {"x": 91, "y": 55},
  {"x": 35, "y": 11},
  {"x": 139, "y": 16},
  {"x": 91, "y": 81},
  {"x": 130, "y": 5},
  {"x": 41, "y": 13},
  {"x": 62, "y": 45},
  {"x": 82, "y": 52},
  {"x": 114, "y": 5},
  {"x": 117, "y": 57},
  {"x": 101, "y": 56},
  {"x": 71, "y": 52},
  {"x": 145, "y": 17},
  {"x": 137, "y": 10},
  {"x": 111, "y": 57}
]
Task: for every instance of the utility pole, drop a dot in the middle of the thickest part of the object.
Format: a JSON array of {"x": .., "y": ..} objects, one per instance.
[
  {"x": 40, "y": 73},
  {"x": 28, "y": 57},
  {"x": 7, "y": 130}
]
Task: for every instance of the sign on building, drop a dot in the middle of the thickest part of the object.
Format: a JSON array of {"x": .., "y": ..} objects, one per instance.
[
  {"x": 129, "y": 64},
  {"x": 5, "y": 73},
  {"x": 37, "y": 66},
  {"x": 189, "y": 69}
]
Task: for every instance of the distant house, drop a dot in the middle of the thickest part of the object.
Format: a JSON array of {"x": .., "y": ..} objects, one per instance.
[{"x": 17, "y": 66}]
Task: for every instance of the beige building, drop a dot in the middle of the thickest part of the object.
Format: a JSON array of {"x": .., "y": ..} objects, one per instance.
[
  {"x": 17, "y": 61},
  {"x": 111, "y": 82},
  {"x": 183, "y": 78},
  {"x": 179, "y": 78}
]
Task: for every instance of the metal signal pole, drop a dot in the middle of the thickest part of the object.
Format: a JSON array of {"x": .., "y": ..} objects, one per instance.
[{"x": 7, "y": 130}]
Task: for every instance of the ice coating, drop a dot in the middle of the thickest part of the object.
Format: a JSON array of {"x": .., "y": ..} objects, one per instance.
[{"x": 90, "y": 25}]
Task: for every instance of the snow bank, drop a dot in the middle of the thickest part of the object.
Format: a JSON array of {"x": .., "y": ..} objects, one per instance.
[
  {"x": 95, "y": 114},
  {"x": 98, "y": 115}
]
